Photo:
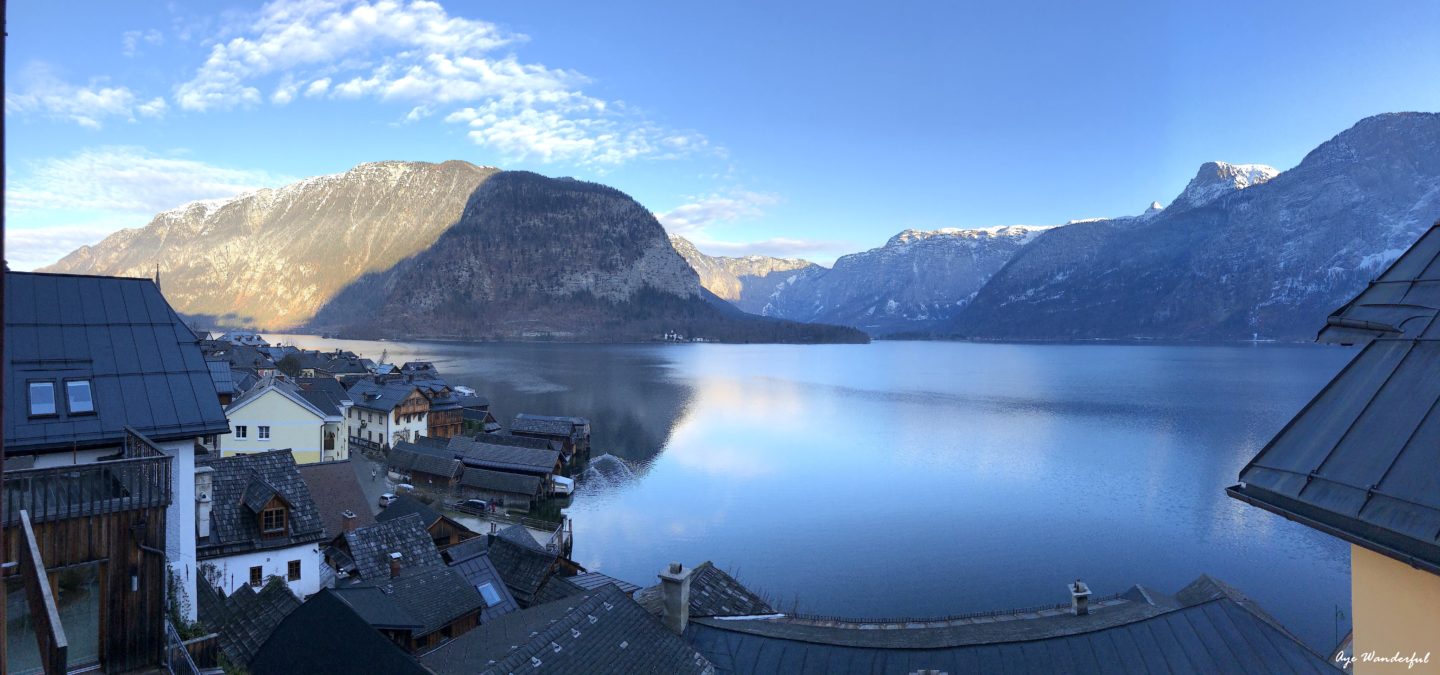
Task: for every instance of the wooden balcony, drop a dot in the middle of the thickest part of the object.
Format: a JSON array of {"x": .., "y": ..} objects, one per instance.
[{"x": 140, "y": 478}]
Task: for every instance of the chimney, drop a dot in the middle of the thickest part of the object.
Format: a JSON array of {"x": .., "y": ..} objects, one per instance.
[
  {"x": 1079, "y": 598},
  {"x": 394, "y": 564},
  {"x": 675, "y": 581},
  {"x": 349, "y": 520}
]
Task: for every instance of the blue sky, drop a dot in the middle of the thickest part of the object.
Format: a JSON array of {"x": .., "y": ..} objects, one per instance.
[{"x": 794, "y": 129}]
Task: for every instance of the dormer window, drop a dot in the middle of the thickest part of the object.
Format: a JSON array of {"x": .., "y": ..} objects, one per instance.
[
  {"x": 78, "y": 399},
  {"x": 42, "y": 399},
  {"x": 272, "y": 521}
]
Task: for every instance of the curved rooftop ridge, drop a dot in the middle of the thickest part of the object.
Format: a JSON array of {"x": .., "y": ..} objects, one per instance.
[{"x": 891, "y": 623}]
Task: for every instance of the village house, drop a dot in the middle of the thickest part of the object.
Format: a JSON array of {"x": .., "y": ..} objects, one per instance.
[
  {"x": 543, "y": 464},
  {"x": 245, "y": 619},
  {"x": 278, "y": 414},
  {"x": 508, "y": 491},
  {"x": 1361, "y": 462},
  {"x": 106, "y": 395},
  {"x": 573, "y": 433},
  {"x": 385, "y": 414},
  {"x": 369, "y": 553},
  {"x": 242, "y": 358},
  {"x": 258, "y": 522},
  {"x": 444, "y": 531}
]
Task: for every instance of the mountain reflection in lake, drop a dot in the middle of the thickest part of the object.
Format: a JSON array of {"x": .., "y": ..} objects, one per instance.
[{"x": 926, "y": 478}]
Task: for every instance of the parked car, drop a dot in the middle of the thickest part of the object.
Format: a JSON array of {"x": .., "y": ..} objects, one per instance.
[
  {"x": 475, "y": 504},
  {"x": 387, "y": 499}
]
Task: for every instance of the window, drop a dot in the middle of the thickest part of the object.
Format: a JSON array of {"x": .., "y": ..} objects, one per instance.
[
  {"x": 272, "y": 521},
  {"x": 240, "y": 431},
  {"x": 255, "y": 575},
  {"x": 77, "y": 397},
  {"x": 42, "y": 398},
  {"x": 487, "y": 591},
  {"x": 293, "y": 570},
  {"x": 264, "y": 433}
]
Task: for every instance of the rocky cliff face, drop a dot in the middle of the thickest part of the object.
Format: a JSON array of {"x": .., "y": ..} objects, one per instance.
[
  {"x": 1240, "y": 252},
  {"x": 271, "y": 258},
  {"x": 534, "y": 256},
  {"x": 746, "y": 282},
  {"x": 917, "y": 280}
]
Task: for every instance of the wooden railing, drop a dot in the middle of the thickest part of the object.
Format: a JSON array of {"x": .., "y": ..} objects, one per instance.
[{"x": 140, "y": 480}]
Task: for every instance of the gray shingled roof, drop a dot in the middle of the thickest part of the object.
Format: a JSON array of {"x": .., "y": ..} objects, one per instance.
[
  {"x": 371, "y": 547},
  {"x": 246, "y": 619},
  {"x": 501, "y": 481},
  {"x": 478, "y": 570},
  {"x": 520, "y": 441},
  {"x": 144, "y": 364},
  {"x": 432, "y": 597},
  {"x": 1206, "y": 628},
  {"x": 407, "y": 456},
  {"x": 592, "y": 580},
  {"x": 713, "y": 592},
  {"x": 1362, "y": 460},
  {"x": 325, "y": 635},
  {"x": 405, "y": 505},
  {"x": 542, "y": 426},
  {"x": 505, "y": 458},
  {"x": 335, "y": 490},
  {"x": 385, "y": 396},
  {"x": 524, "y": 569},
  {"x": 602, "y": 631},
  {"x": 239, "y": 484}
]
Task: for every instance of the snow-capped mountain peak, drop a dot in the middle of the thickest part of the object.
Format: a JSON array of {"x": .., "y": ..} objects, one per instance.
[{"x": 1217, "y": 179}]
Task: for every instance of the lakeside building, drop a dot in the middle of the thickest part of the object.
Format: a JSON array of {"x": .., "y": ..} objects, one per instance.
[
  {"x": 444, "y": 531},
  {"x": 1361, "y": 462},
  {"x": 258, "y": 523},
  {"x": 387, "y": 413},
  {"x": 107, "y": 396},
  {"x": 277, "y": 414}
]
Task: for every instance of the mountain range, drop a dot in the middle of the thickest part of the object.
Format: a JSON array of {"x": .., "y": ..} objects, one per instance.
[{"x": 457, "y": 250}]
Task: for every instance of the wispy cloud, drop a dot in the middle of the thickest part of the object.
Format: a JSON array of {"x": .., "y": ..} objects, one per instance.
[
  {"x": 41, "y": 91},
  {"x": 699, "y": 219},
  {"x": 55, "y": 205},
  {"x": 417, "y": 53},
  {"x": 131, "y": 41}
]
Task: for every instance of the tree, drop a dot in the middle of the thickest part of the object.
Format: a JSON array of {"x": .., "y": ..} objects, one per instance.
[{"x": 290, "y": 365}]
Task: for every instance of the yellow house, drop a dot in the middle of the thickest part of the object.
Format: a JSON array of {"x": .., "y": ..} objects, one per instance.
[
  {"x": 1362, "y": 462},
  {"x": 277, "y": 415}
]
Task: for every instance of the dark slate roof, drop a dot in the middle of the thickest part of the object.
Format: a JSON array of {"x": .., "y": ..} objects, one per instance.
[
  {"x": 144, "y": 364},
  {"x": 1206, "y": 628},
  {"x": 555, "y": 588},
  {"x": 326, "y": 636},
  {"x": 371, "y": 547},
  {"x": 520, "y": 536},
  {"x": 283, "y": 388},
  {"x": 500, "y": 481},
  {"x": 429, "y": 598},
  {"x": 520, "y": 441},
  {"x": 504, "y": 458},
  {"x": 472, "y": 400},
  {"x": 474, "y": 564},
  {"x": 405, "y": 505},
  {"x": 1361, "y": 461},
  {"x": 220, "y": 375},
  {"x": 379, "y": 397},
  {"x": 246, "y": 619},
  {"x": 407, "y": 456},
  {"x": 593, "y": 580},
  {"x": 713, "y": 592},
  {"x": 335, "y": 490},
  {"x": 245, "y": 357},
  {"x": 602, "y": 631},
  {"x": 238, "y": 485},
  {"x": 543, "y": 426},
  {"x": 524, "y": 569}
]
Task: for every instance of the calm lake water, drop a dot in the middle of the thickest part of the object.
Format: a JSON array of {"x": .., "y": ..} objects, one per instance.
[{"x": 915, "y": 478}]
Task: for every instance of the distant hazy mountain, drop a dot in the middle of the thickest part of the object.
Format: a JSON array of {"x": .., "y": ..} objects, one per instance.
[
  {"x": 411, "y": 249},
  {"x": 746, "y": 282},
  {"x": 271, "y": 258},
  {"x": 1241, "y": 251}
]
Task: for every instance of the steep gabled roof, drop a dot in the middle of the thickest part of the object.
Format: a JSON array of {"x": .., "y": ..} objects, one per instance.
[
  {"x": 371, "y": 547},
  {"x": 423, "y": 599},
  {"x": 473, "y": 562},
  {"x": 289, "y": 391},
  {"x": 246, "y": 618},
  {"x": 405, "y": 505},
  {"x": 335, "y": 490},
  {"x": 325, "y": 635},
  {"x": 1361, "y": 461},
  {"x": 602, "y": 631},
  {"x": 371, "y": 395},
  {"x": 145, "y": 366},
  {"x": 241, "y": 485},
  {"x": 713, "y": 592}
]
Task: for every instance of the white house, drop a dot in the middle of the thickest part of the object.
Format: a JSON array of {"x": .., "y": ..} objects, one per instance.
[
  {"x": 387, "y": 412},
  {"x": 257, "y": 521},
  {"x": 275, "y": 414}
]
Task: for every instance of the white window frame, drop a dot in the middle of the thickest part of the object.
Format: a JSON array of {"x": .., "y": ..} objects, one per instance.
[
  {"x": 262, "y": 432},
  {"x": 241, "y": 431}
]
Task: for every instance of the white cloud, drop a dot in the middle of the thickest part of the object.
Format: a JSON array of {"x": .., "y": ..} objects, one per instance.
[
  {"x": 130, "y": 41},
  {"x": 416, "y": 53},
  {"x": 55, "y": 205},
  {"x": 41, "y": 91},
  {"x": 694, "y": 217}
]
